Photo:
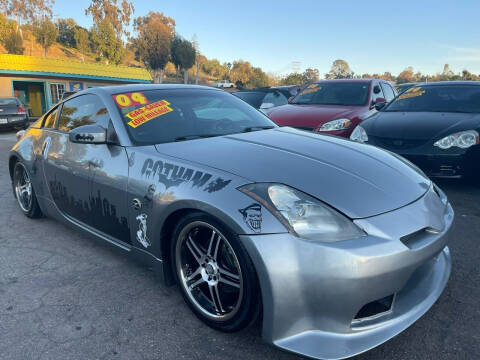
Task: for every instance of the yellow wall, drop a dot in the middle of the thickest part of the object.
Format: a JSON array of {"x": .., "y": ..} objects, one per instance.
[{"x": 5, "y": 86}]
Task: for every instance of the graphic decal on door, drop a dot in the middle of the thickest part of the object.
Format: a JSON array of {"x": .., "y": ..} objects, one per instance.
[{"x": 142, "y": 230}]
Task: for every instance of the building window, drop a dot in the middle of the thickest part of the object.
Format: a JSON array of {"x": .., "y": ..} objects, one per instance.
[{"x": 57, "y": 91}]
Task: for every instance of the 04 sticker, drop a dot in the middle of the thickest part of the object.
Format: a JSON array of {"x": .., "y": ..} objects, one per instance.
[
  {"x": 130, "y": 99},
  {"x": 148, "y": 112}
]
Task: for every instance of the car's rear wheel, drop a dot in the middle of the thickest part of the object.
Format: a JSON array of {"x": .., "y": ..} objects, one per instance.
[
  {"x": 24, "y": 192},
  {"x": 215, "y": 273}
]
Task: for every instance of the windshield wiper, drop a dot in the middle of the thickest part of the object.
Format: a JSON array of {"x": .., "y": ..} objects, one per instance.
[
  {"x": 192, "y": 137},
  {"x": 253, "y": 128}
]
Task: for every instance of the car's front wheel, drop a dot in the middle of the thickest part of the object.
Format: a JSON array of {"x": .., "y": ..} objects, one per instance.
[
  {"x": 24, "y": 192},
  {"x": 215, "y": 273}
]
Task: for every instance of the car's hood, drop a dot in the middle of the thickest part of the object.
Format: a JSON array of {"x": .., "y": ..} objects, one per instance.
[
  {"x": 358, "y": 180},
  {"x": 310, "y": 115},
  {"x": 419, "y": 125}
]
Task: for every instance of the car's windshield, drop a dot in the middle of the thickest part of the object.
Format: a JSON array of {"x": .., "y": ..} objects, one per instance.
[
  {"x": 159, "y": 116},
  {"x": 334, "y": 93},
  {"x": 7, "y": 101},
  {"x": 438, "y": 98},
  {"x": 253, "y": 98}
]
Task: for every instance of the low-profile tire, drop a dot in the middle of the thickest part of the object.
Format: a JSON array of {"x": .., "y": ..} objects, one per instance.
[
  {"x": 214, "y": 273},
  {"x": 24, "y": 191}
]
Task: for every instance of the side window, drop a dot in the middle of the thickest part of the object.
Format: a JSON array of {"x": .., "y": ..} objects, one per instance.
[
  {"x": 377, "y": 92},
  {"x": 388, "y": 91},
  {"x": 276, "y": 98},
  {"x": 50, "y": 119},
  {"x": 83, "y": 110}
]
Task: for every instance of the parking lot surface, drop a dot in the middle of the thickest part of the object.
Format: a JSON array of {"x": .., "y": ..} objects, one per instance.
[{"x": 65, "y": 296}]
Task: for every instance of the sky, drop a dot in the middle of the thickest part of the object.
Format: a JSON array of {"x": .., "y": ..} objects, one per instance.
[{"x": 372, "y": 36}]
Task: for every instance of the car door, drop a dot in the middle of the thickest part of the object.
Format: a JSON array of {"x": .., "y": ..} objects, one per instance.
[
  {"x": 65, "y": 166},
  {"x": 88, "y": 181}
]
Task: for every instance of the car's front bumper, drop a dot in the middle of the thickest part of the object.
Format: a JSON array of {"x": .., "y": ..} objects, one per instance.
[{"x": 312, "y": 292}]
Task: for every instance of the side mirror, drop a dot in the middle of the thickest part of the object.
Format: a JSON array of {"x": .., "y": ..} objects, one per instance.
[
  {"x": 266, "y": 106},
  {"x": 88, "y": 134},
  {"x": 380, "y": 105}
]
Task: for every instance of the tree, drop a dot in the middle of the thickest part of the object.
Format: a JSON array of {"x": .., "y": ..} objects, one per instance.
[
  {"x": 66, "y": 32},
  {"x": 311, "y": 75},
  {"x": 46, "y": 34},
  {"x": 259, "y": 78},
  {"x": 405, "y": 76},
  {"x": 82, "y": 40},
  {"x": 115, "y": 13},
  {"x": 106, "y": 43},
  {"x": 27, "y": 10},
  {"x": 340, "y": 70},
  {"x": 152, "y": 44},
  {"x": 294, "y": 79},
  {"x": 6, "y": 26},
  {"x": 13, "y": 42},
  {"x": 183, "y": 55},
  {"x": 214, "y": 68}
]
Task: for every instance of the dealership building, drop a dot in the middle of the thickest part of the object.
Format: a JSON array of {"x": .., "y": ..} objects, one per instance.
[{"x": 40, "y": 82}]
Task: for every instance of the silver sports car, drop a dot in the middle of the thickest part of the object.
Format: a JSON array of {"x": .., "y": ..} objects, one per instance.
[{"x": 337, "y": 245}]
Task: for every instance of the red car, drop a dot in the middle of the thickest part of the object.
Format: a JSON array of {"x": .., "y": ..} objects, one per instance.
[{"x": 334, "y": 107}]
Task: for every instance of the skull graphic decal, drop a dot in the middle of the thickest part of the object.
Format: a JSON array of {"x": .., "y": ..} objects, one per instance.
[
  {"x": 142, "y": 230},
  {"x": 252, "y": 215}
]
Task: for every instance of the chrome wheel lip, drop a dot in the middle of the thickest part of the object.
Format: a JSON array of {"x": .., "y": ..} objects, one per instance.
[
  {"x": 202, "y": 272},
  {"x": 23, "y": 188}
]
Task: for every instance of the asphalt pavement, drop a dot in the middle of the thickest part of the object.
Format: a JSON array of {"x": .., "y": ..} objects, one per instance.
[{"x": 66, "y": 296}]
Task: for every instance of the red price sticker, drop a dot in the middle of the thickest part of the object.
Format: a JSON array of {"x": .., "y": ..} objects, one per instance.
[{"x": 130, "y": 99}]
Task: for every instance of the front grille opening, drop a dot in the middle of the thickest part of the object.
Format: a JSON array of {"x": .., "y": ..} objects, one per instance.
[{"x": 375, "y": 308}]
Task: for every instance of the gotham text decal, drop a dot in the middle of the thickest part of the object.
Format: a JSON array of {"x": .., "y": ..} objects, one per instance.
[{"x": 173, "y": 175}]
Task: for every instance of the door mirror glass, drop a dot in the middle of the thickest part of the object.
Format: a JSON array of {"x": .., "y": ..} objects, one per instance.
[
  {"x": 266, "y": 106},
  {"x": 88, "y": 134}
]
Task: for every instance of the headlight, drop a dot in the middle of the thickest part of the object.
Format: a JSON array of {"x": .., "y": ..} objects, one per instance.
[
  {"x": 359, "y": 134},
  {"x": 462, "y": 139},
  {"x": 303, "y": 215},
  {"x": 339, "y": 124}
]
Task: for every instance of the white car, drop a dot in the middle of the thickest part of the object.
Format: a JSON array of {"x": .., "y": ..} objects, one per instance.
[{"x": 224, "y": 84}]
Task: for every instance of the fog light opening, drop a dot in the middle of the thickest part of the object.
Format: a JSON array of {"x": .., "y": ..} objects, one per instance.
[{"x": 375, "y": 308}]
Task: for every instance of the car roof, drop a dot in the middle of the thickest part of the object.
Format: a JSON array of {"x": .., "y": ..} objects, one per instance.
[
  {"x": 347, "y": 80},
  {"x": 459, "y": 82},
  {"x": 110, "y": 90}
]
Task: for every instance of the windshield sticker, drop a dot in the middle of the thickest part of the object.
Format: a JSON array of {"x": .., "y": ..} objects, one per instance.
[
  {"x": 311, "y": 88},
  {"x": 148, "y": 112},
  {"x": 130, "y": 99},
  {"x": 412, "y": 92}
]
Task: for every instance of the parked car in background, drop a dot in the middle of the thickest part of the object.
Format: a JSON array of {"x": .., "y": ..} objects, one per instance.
[
  {"x": 333, "y": 106},
  {"x": 224, "y": 84},
  {"x": 12, "y": 113},
  {"x": 292, "y": 89},
  {"x": 265, "y": 98},
  {"x": 405, "y": 86},
  {"x": 436, "y": 126}
]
